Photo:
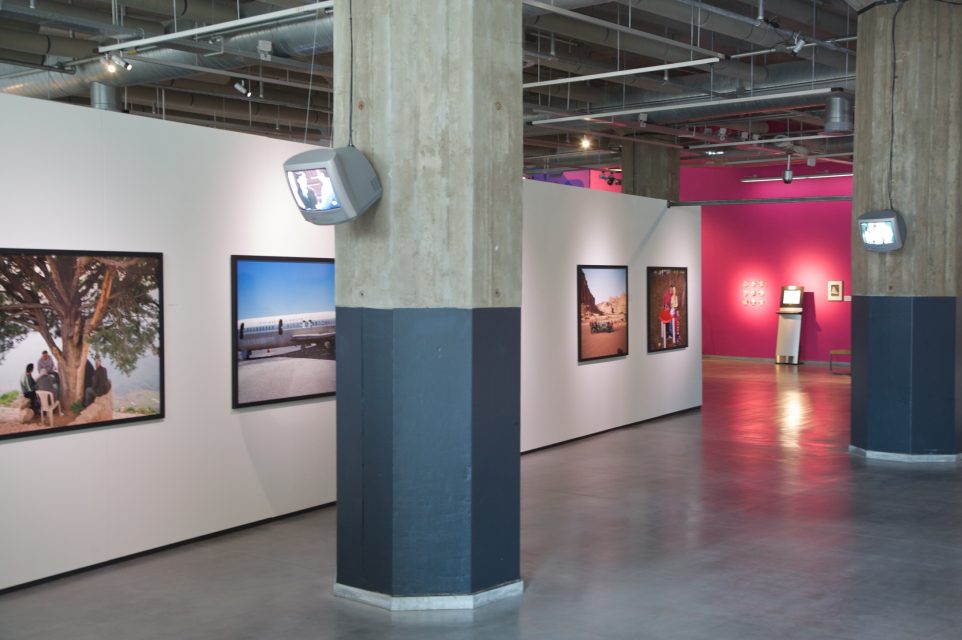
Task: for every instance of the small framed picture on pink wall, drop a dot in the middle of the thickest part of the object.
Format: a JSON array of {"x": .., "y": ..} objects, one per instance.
[{"x": 835, "y": 290}]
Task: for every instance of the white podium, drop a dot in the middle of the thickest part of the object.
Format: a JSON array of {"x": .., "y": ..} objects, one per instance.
[{"x": 789, "y": 325}]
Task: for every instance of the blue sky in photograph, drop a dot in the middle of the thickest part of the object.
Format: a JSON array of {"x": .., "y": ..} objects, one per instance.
[
  {"x": 275, "y": 288},
  {"x": 606, "y": 283}
]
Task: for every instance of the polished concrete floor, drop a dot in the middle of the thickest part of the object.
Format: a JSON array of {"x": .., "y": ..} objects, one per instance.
[{"x": 745, "y": 520}]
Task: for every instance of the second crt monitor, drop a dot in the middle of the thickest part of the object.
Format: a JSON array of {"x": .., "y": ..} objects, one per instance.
[{"x": 331, "y": 186}]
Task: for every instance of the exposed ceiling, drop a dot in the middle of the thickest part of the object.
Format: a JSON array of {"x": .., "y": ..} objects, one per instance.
[{"x": 767, "y": 94}]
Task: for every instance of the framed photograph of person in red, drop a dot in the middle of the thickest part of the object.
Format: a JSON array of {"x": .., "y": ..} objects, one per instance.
[{"x": 667, "y": 308}]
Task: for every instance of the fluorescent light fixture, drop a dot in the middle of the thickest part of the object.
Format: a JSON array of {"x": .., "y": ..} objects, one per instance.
[
  {"x": 811, "y": 177},
  {"x": 611, "y": 26},
  {"x": 688, "y": 105},
  {"x": 712, "y": 152},
  {"x": 759, "y": 141},
  {"x": 625, "y": 72}
]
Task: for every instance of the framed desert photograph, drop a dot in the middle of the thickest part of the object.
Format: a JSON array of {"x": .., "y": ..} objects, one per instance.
[
  {"x": 81, "y": 339},
  {"x": 602, "y": 312},
  {"x": 283, "y": 329},
  {"x": 835, "y": 291},
  {"x": 667, "y": 308}
]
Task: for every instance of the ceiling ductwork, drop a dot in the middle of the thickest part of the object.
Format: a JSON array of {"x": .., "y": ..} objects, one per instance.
[
  {"x": 839, "y": 114},
  {"x": 762, "y": 34},
  {"x": 157, "y": 65},
  {"x": 587, "y": 54},
  {"x": 614, "y": 39}
]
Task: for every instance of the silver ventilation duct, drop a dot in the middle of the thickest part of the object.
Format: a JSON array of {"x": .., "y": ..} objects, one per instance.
[
  {"x": 288, "y": 39},
  {"x": 838, "y": 114}
]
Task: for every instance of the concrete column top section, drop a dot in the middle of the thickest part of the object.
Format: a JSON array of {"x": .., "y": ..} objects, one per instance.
[
  {"x": 437, "y": 109},
  {"x": 908, "y": 142}
]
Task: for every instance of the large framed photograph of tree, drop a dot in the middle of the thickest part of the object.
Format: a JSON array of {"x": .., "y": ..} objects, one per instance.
[
  {"x": 602, "y": 311},
  {"x": 81, "y": 340},
  {"x": 667, "y": 308},
  {"x": 283, "y": 329}
]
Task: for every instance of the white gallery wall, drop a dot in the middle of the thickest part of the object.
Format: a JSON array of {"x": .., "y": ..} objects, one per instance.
[
  {"x": 562, "y": 399},
  {"x": 77, "y": 178}
]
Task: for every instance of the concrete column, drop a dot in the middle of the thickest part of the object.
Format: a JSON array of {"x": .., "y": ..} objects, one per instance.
[
  {"x": 905, "y": 339},
  {"x": 428, "y": 304},
  {"x": 647, "y": 170}
]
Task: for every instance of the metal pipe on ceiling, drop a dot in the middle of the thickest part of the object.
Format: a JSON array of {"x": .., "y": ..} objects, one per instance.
[
  {"x": 227, "y": 107},
  {"x": 76, "y": 18},
  {"x": 801, "y": 13},
  {"x": 610, "y": 36},
  {"x": 287, "y": 39},
  {"x": 43, "y": 45},
  {"x": 731, "y": 24},
  {"x": 709, "y": 203}
]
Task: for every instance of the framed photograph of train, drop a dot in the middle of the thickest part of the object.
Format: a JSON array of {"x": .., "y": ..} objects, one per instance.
[
  {"x": 283, "y": 340},
  {"x": 667, "y": 308},
  {"x": 602, "y": 312},
  {"x": 81, "y": 340}
]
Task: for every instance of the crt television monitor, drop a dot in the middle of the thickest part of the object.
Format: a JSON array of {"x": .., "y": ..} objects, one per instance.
[
  {"x": 331, "y": 186},
  {"x": 792, "y": 296},
  {"x": 881, "y": 230}
]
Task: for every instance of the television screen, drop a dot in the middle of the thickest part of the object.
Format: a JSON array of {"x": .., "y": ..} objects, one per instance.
[
  {"x": 313, "y": 190},
  {"x": 882, "y": 230},
  {"x": 878, "y": 232},
  {"x": 791, "y": 297}
]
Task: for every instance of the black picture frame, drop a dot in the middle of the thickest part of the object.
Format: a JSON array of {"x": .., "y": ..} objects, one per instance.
[
  {"x": 114, "y": 300},
  {"x": 667, "y": 311},
  {"x": 602, "y": 326},
  {"x": 285, "y": 351}
]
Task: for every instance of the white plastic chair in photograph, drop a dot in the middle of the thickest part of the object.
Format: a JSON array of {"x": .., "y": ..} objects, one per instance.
[{"x": 47, "y": 405}]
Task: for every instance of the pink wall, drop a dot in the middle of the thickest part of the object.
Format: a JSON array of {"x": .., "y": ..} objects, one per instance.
[
  {"x": 589, "y": 178},
  {"x": 805, "y": 244}
]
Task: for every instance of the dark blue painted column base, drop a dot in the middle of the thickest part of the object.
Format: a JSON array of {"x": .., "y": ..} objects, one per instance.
[
  {"x": 428, "y": 441},
  {"x": 904, "y": 375}
]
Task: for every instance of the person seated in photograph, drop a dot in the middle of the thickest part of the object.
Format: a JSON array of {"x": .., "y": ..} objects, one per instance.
[
  {"x": 47, "y": 382},
  {"x": 327, "y": 194},
  {"x": 46, "y": 364},
  {"x": 28, "y": 387},
  {"x": 99, "y": 384},
  {"x": 307, "y": 196}
]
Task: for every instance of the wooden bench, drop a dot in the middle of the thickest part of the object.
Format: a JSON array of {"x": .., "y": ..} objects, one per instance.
[{"x": 833, "y": 353}]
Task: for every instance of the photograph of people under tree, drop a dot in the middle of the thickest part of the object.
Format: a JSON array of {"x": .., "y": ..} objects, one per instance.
[{"x": 81, "y": 339}]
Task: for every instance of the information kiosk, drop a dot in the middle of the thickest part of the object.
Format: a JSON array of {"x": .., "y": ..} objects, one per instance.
[{"x": 789, "y": 325}]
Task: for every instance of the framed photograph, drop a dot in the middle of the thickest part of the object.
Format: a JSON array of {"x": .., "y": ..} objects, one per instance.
[
  {"x": 81, "y": 340},
  {"x": 602, "y": 312},
  {"x": 667, "y": 308},
  {"x": 835, "y": 290},
  {"x": 283, "y": 332}
]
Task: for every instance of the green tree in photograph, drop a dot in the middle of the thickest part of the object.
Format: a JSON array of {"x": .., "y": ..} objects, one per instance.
[{"x": 108, "y": 303}]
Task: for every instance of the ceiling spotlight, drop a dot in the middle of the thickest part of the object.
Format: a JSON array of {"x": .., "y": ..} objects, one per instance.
[
  {"x": 120, "y": 62},
  {"x": 799, "y": 43},
  {"x": 585, "y": 143},
  {"x": 242, "y": 88},
  {"x": 111, "y": 67}
]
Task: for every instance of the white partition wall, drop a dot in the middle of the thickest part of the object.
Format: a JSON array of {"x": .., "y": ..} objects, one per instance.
[
  {"x": 564, "y": 227},
  {"x": 75, "y": 178}
]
